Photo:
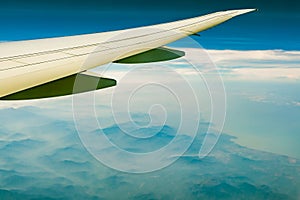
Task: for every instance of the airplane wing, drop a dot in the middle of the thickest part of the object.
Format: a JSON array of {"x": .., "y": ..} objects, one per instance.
[{"x": 48, "y": 67}]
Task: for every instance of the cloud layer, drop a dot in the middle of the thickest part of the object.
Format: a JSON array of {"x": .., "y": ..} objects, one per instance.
[{"x": 257, "y": 65}]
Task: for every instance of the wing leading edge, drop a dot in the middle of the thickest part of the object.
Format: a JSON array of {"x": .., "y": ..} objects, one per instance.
[{"x": 34, "y": 63}]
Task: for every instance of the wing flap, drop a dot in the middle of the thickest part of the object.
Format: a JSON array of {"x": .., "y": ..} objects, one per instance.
[
  {"x": 154, "y": 55},
  {"x": 83, "y": 82}
]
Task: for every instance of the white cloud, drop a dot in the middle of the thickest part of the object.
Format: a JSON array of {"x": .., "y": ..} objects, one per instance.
[
  {"x": 256, "y": 59},
  {"x": 267, "y": 74},
  {"x": 296, "y": 103},
  {"x": 249, "y": 64}
]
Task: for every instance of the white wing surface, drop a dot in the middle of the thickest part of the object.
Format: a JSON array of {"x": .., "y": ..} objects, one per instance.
[{"x": 29, "y": 64}]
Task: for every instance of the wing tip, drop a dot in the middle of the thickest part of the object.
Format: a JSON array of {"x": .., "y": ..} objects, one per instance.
[{"x": 238, "y": 12}]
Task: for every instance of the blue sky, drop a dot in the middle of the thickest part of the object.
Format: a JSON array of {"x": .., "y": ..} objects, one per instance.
[{"x": 275, "y": 26}]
